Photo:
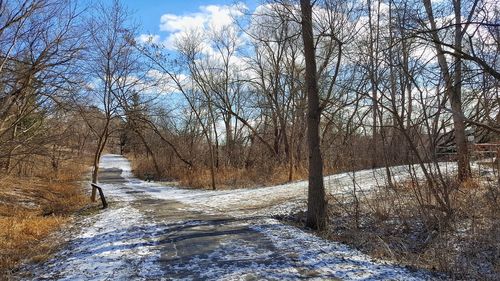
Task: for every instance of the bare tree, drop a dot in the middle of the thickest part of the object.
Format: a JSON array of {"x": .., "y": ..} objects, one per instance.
[
  {"x": 453, "y": 82},
  {"x": 38, "y": 50},
  {"x": 316, "y": 204},
  {"x": 111, "y": 60}
]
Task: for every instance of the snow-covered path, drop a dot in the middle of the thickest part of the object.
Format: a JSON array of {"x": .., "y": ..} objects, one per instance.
[{"x": 155, "y": 232}]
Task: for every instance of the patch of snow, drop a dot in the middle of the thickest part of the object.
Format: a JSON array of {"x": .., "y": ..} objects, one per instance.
[
  {"x": 106, "y": 249},
  {"x": 331, "y": 259},
  {"x": 109, "y": 161}
]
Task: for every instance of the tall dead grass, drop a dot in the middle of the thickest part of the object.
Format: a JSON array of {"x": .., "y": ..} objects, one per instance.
[
  {"x": 225, "y": 177},
  {"x": 31, "y": 209}
]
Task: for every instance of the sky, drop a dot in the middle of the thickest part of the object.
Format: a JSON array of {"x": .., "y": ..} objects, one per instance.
[{"x": 149, "y": 12}]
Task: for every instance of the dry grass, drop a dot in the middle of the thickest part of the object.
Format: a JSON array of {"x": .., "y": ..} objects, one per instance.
[
  {"x": 229, "y": 178},
  {"x": 69, "y": 170},
  {"x": 225, "y": 177},
  {"x": 391, "y": 224},
  {"x": 21, "y": 237},
  {"x": 30, "y": 210}
]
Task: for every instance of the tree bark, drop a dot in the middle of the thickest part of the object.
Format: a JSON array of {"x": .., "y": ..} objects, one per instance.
[
  {"x": 464, "y": 171},
  {"x": 453, "y": 87},
  {"x": 316, "y": 205}
]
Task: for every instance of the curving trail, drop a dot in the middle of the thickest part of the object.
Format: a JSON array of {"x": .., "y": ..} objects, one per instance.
[{"x": 155, "y": 232}]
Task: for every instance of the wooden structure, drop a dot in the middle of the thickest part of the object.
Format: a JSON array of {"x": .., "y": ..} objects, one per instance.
[
  {"x": 490, "y": 152},
  {"x": 487, "y": 149},
  {"x": 101, "y": 194}
]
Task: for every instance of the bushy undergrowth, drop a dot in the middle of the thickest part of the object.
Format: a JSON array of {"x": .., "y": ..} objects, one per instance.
[{"x": 394, "y": 224}]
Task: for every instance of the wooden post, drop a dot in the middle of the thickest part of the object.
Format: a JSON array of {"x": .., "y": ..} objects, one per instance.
[{"x": 101, "y": 194}]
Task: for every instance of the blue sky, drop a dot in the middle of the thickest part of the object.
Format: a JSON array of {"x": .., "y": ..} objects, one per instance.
[
  {"x": 149, "y": 12},
  {"x": 166, "y": 19}
]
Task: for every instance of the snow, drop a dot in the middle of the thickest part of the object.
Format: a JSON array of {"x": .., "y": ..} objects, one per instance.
[
  {"x": 210, "y": 235},
  {"x": 280, "y": 198},
  {"x": 332, "y": 259},
  {"x": 104, "y": 249},
  {"x": 110, "y": 161}
]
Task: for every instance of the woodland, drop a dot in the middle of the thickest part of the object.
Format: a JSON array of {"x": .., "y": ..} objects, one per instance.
[{"x": 293, "y": 90}]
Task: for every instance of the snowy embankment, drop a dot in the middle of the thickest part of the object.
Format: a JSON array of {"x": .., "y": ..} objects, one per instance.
[{"x": 156, "y": 232}]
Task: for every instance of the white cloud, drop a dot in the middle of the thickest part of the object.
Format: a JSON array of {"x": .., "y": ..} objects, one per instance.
[
  {"x": 164, "y": 84},
  {"x": 148, "y": 38},
  {"x": 175, "y": 23},
  {"x": 424, "y": 51},
  {"x": 222, "y": 16},
  {"x": 213, "y": 17}
]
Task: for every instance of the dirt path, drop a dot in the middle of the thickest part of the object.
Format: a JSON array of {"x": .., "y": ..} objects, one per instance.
[{"x": 153, "y": 232}]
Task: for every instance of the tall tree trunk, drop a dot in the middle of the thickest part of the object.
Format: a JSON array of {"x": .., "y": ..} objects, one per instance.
[
  {"x": 212, "y": 166},
  {"x": 373, "y": 49},
  {"x": 216, "y": 136},
  {"x": 97, "y": 158},
  {"x": 229, "y": 139},
  {"x": 464, "y": 171},
  {"x": 290, "y": 159},
  {"x": 316, "y": 205},
  {"x": 453, "y": 86},
  {"x": 101, "y": 144}
]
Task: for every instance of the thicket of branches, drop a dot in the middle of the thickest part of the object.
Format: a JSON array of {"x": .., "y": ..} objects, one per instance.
[
  {"x": 259, "y": 100},
  {"x": 398, "y": 82}
]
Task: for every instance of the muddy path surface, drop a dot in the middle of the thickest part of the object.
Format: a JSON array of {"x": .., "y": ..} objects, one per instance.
[{"x": 156, "y": 232}]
